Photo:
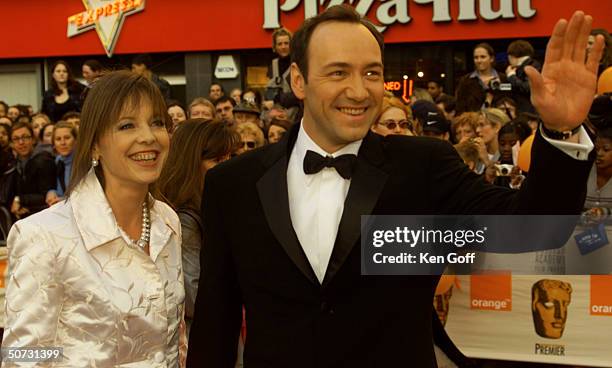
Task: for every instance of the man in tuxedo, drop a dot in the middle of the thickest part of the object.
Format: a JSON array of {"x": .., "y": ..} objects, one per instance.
[{"x": 282, "y": 224}]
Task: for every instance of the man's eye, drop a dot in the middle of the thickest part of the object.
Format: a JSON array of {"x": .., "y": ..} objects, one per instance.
[
  {"x": 372, "y": 73},
  {"x": 338, "y": 73}
]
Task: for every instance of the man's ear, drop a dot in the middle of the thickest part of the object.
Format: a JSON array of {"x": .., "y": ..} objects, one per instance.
[{"x": 297, "y": 82}]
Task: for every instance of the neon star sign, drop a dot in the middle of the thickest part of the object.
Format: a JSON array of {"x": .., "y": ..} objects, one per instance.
[{"x": 107, "y": 17}]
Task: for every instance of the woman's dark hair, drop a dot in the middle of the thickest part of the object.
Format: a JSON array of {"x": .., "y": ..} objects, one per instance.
[
  {"x": 172, "y": 103},
  {"x": 112, "y": 94},
  {"x": 7, "y": 129},
  {"x": 41, "y": 132},
  {"x": 285, "y": 124},
  {"x": 605, "y": 133},
  {"x": 71, "y": 83},
  {"x": 181, "y": 180},
  {"x": 487, "y": 47},
  {"x": 338, "y": 13},
  {"x": 470, "y": 96},
  {"x": 518, "y": 127}
]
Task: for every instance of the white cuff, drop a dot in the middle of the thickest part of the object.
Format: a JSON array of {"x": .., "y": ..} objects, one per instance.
[{"x": 579, "y": 151}]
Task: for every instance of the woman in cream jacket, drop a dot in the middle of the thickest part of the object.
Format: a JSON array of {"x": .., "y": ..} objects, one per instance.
[{"x": 99, "y": 274}]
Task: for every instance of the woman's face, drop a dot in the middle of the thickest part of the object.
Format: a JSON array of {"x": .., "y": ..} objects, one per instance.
[
  {"x": 4, "y": 137},
  {"x": 464, "y": 131},
  {"x": 603, "y": 147},
  {"x": 486, "y": 130},
  {"x": 392, "y": 121},
  {"x": 133, "y": 150},
  {"x": 48, "y": 134},
  {"x": 60, "y": 73},
  {"x": 37, "y": 124},
  {"x": 506, "y": 142},
  {"x": 482, "y": 60},
  {"x": 275, "y": 133},
  {"x": 63, "y": 141},
  {"x": 177, "y": 114}
]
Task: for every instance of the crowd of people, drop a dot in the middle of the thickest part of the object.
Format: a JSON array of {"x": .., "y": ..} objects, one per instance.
[{"x": 46, "y": 156}]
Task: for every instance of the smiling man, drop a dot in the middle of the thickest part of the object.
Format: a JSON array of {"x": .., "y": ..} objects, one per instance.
[{"x": 295, "y": 262}]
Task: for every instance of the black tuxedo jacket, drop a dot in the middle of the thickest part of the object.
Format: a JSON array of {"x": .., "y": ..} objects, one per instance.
[{"x": 251, "y": 255}]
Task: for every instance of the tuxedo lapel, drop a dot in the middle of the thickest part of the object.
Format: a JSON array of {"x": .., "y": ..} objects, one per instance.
[
  {"x": 274, "y": 196},
  {"x": 367, "y": 183}
]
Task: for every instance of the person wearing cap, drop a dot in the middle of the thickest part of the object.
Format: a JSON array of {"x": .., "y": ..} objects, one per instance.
[
  {"x": 430, "y": 120},
  {"x": 246, "y": 112},
  {"x": 141, "y": 65}
]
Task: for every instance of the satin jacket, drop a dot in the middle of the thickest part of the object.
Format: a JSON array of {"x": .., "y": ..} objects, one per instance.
[{"x": 74, "y": 282}]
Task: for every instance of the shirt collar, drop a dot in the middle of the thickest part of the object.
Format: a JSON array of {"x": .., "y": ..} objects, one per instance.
[{"x": 97, "y": 224}]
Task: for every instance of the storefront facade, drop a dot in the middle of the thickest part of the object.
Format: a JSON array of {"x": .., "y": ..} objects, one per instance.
[{"x": 426, "y": 39}]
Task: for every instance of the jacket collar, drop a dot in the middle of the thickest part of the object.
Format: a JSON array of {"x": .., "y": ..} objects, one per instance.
[{"x": 97, "y": 224}]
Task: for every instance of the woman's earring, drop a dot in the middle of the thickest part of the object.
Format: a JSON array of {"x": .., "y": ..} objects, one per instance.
[{"x": 94, "y": 162}]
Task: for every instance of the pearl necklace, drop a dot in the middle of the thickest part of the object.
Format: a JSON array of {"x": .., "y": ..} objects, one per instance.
[{"x": 145, "y": 235}]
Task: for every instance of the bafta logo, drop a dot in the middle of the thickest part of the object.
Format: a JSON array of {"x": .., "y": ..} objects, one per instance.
[{"x": 549, "y": 302}]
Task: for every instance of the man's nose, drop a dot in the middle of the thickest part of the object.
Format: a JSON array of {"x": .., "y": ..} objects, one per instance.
[{"x": 356, "y": 89}]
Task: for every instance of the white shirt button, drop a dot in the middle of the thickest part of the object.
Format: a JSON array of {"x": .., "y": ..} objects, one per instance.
[{"x": 159, "y": 357}]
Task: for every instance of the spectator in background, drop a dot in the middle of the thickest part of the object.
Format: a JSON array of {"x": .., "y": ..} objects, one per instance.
[
  {"x": 251, "y": 137},
  {"x": 277, "y": 129},
  {"x": 236, "y": 94},
  {"x": 487, "y": 129},
  {"x": 395, "y": 118},
  {"x": 420, "y": 94},
  {"x": 470, "y": 96},
  {"x": 484, "y": 73},
  {"x": 465, "y": 125},
  {"x": 177, "y": 113},
  {"x": 424, "y": 112},
  {"x": 201, "y": 108},
  {"x": 39, "y": 121},
  {"x": 253, "y": 96},
  {"x": 447, "y": 104},
  {"x": 13, "y": 113},
  {"x": 73, "y": 118},
  {"x": 64, "y": 140},
  {"x": 215, "y": 92},
  {"x": 91, "y": 69},
  {"x": 7, "y": 159},
  {"x": 468, "y": 150},
  {"x": 520, "y": 55},
  {"x": 531, "y": 120},
  {"x": 142, "y": 65},
  {"x": 509, "y": 139},
  {"x": 64, "y": 94},
  {"x": 224, "y": 108},
  {"x": 45, "y": 140},
  {"x": 435, "y": 89},
  {"x": 278, "y": 89},
  {"x": 507, "y": 105},
  {"x": 4, "y": 120},
  {"x": 23, "y": 119},
  {"x": 276, "y": 112},
  {"x": 198, "y": 146},
  {"x": 34, "y": 174},
  {"x": 3, "y": 108},
  {"x": 606, "y": 59},
  {"x": 246, "y": 113}
]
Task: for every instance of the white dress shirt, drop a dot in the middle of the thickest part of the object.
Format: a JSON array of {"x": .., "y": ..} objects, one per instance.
[{"x": 316, "y": 201}]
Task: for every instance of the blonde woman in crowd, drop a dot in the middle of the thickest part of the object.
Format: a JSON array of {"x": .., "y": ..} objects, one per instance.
[
  {"x": 251, "y": 137},
  {"x": 395, "y": 118},
  {"x": 201, "y": 108},
  {"x": 488, "y": 127},
  {"x": 99, "y": 274}
]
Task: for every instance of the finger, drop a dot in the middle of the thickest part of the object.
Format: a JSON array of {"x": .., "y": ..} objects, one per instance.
[
  {"x": 573, "y": 29},
  {"x": 555, "y": 44},
  {"x": 582, "y": 40},
  {"x": 595, "y": 54}
]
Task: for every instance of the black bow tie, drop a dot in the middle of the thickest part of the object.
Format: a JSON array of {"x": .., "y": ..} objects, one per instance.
[{"x": 313, "y": 163}]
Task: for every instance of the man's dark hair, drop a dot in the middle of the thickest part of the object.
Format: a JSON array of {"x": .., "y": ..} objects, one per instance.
[
  {"x": 143, "y": 59},
  {"x": 339, "y": 13},
  {"x": 95, "y": 65},
  {"x": 216, "y": 84},
  {"x": 436, "y": 81},
  {"x": 448, "y": 102},
  {"x": 223, "y": 99},
  {"x": 520, "y": 48}
]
